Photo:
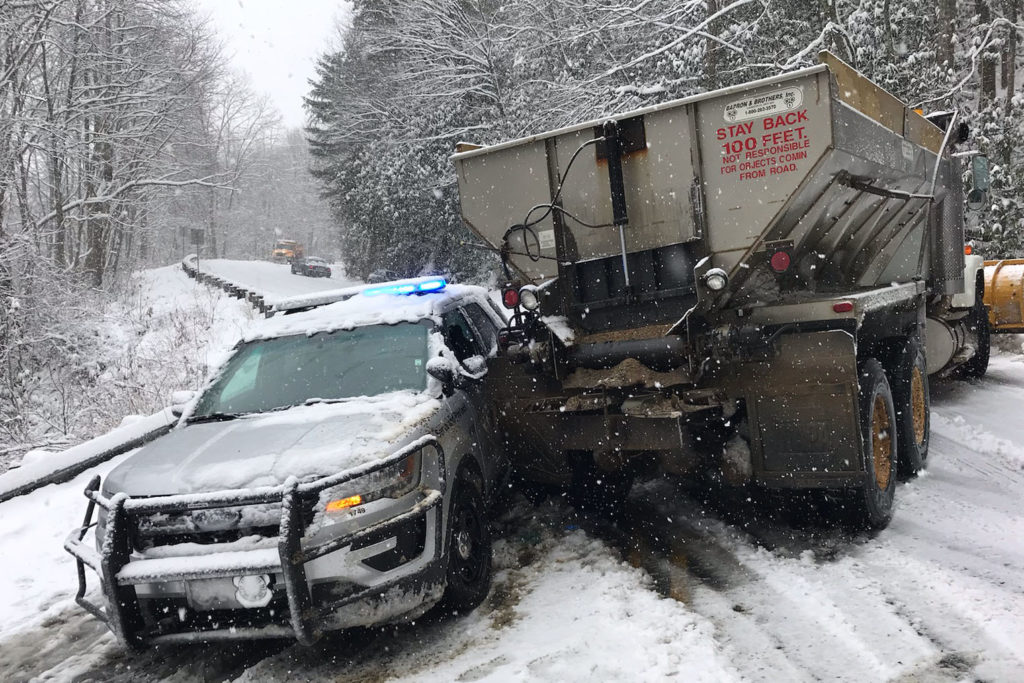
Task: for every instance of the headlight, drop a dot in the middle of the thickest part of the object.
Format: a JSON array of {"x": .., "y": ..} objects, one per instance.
[
  {"x": 716, "y": 279},
  {"x": 394, "y": 481},
  {"x": 529, "y": 298}
]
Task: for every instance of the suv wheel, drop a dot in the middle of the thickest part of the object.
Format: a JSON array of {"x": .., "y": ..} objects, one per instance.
[{"x": 469, "y": 548}]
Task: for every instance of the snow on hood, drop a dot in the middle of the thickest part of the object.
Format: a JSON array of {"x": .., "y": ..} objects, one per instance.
[{"x": 266, "y": 449}]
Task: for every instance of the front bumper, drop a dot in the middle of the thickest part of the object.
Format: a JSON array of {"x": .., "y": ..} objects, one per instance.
[{"x": 310, "y": 603}]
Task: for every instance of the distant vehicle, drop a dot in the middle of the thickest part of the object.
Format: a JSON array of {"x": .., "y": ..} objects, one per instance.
[
  {"x": 381, "y": 275},
  {"x": 311, "y": 266},
  {"x": 336, "y": 472},
  {"x": 285, "y": 251}
]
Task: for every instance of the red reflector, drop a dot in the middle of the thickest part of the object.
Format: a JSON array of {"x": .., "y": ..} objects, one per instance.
[
  {"x": 842, "y": 307},
  {"x": 510, "y": 298},
  {"x": 780, "y": 261}
]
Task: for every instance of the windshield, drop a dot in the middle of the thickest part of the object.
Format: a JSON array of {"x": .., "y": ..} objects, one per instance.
[{"x": 288, "y": 371}]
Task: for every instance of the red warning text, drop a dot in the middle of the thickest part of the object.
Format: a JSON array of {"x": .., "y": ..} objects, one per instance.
[{"x": 780, "y": 141}]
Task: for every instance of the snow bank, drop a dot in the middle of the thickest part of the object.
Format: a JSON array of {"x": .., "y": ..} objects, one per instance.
[{"x": 39, "y": 579}]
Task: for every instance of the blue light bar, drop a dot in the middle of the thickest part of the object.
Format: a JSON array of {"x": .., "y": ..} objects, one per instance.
[
  {"x": 432, "y": 285},
  {"x": 421, "y": 287}
]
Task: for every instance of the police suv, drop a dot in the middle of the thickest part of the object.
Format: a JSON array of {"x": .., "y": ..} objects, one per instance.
[{"x": 335, "y": 472}]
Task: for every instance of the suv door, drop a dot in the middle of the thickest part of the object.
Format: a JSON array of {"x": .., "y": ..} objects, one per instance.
[{"x": 467, "y": 341}]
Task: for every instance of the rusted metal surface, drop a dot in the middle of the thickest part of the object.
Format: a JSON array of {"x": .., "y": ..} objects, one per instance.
[
  {"x": 629, "y": 334},
  {"x": 628, "y": 373},
  {"x": 1004, "y": 295},
  {"x": 881, "y": 443}
]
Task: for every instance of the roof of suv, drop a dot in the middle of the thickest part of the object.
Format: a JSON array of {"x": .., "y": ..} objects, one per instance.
[{"x": 364, "y": 305}]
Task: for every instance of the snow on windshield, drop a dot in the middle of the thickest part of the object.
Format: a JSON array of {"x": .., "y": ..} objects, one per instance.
[{"x": 288, "y": 371}]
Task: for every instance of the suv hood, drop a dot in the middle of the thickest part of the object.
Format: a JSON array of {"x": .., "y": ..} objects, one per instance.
[{"x": 266, "y": 449}]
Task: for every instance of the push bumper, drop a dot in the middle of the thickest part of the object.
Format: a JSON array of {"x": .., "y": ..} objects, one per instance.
[{"x": 121, "y": 575}]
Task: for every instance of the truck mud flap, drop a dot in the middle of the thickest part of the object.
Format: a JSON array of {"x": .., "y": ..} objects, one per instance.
[{"x": 802, "y": 411}]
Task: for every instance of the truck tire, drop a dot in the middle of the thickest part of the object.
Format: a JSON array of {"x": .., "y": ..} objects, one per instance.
[
  {"x": 977, "y": 366},
  {"x": 872, "y": 502},
  {"x": 469, "y": 548},
  {"x": 908, "y": 377}
]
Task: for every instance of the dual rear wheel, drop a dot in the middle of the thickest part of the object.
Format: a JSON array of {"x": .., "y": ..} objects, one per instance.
[{"x": 894, "y": 415}]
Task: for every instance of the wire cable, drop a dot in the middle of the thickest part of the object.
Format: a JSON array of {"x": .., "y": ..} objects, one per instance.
[{"x": 526, "y": 227}]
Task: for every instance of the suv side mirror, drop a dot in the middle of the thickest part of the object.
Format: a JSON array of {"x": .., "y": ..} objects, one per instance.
[
  {"x": 443, "y": 370},
  {"x": 475, "y": 367}
]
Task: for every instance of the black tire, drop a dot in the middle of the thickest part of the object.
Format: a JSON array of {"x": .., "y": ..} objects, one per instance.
[
  {"x": 908, "y": 378},
  {"x": 872, "y": 503},
  {"x": 977, "y": 366},
  {"x": 469, "y": 548},
  {"x": 599, "y": 492}
]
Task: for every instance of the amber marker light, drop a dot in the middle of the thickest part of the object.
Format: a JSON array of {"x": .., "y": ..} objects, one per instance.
[
  {"x": 968, "y": 250},
  {"x": 344, "y": 503}
]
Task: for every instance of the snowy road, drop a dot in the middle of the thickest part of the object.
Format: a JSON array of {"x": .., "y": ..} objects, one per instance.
[
  {"x": 274, "y": 280},
  {"x": 682, "y": 588}
]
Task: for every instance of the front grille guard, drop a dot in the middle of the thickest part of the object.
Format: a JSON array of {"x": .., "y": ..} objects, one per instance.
[{"x": 123, "y": 615}]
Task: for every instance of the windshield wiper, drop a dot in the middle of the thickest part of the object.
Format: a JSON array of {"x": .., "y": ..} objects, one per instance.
[
  {"x": 314, "y": 401},
  {"x": 214, "y": 417}
]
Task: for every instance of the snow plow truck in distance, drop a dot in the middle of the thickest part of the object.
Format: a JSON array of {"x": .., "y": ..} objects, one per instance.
[
  {"x": 751, "y": 285},
  {"x": 286, "y": 251}
]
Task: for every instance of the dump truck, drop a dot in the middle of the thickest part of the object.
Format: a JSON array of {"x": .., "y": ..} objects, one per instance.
[
  {"x": 286, "y": 251},
  {"x": 751, "y": 286}
]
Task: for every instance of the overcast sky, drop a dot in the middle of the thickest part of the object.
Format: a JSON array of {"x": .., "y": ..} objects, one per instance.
[{"x": 277, "y": 43}]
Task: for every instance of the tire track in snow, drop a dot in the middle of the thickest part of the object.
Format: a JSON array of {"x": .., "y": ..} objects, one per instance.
[
  {"x": 937, "y": 596},
  {"x": 801, "y": 611}
]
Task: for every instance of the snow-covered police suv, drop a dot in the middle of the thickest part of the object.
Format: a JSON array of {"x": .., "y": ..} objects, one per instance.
[{"x": 334, "y": 472}]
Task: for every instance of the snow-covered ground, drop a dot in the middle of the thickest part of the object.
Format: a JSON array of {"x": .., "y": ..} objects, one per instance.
[{"x": 679, "y": 589}]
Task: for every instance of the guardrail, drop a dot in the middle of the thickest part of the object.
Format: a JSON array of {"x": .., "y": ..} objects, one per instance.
[
  {"x": 66, "y": 465},
  {"x": 191, "y": 267}
]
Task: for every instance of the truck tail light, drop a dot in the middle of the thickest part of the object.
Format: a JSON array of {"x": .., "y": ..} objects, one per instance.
[
  {"x": 842, "y": 307},
  {"x": 510, "y": 297},
  {"x": 780, "y": 261}
]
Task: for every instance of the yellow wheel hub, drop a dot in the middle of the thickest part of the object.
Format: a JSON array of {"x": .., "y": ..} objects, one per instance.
[
  {"x": 917, "y": 405},
  {"x": 881, "y": 443}
]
